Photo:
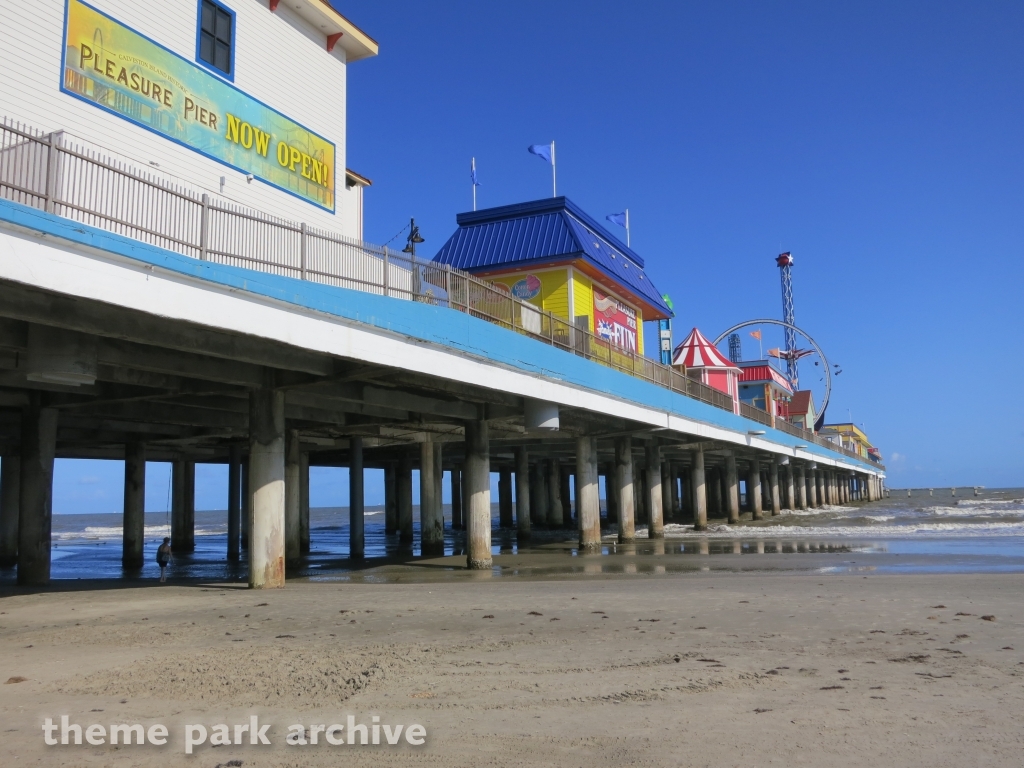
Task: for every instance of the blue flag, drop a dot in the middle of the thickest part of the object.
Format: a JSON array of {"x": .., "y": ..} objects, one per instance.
[
  {"x": 472, "y": 175},
  {"x": 617, "y": 218},
  {"x": 543, "y": 151}
]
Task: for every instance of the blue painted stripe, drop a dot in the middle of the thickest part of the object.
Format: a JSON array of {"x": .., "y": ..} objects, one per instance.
[{"x": 437, "y": 325}]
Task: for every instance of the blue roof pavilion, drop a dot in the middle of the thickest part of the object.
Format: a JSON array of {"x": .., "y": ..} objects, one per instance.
[{"x": 547, "y": 233}]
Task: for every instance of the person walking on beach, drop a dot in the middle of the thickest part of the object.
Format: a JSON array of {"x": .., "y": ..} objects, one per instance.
[{"x": 163, "y": 557}]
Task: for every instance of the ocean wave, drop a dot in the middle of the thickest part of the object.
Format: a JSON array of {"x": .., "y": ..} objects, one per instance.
[
  {"x": 973, "y": 510},
  {"x": 987, "y": 502},
  {"x": 117, "y": 531},
  {"x": 851, "y": 531}
]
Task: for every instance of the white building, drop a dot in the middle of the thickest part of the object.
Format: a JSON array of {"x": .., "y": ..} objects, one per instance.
[{"x": 243, "y": 99}]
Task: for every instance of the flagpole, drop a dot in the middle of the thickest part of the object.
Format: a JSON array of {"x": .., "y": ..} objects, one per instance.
[
  {"x": 473, "y": 169},
  {"x": 554, "y": 185},
  {"x": 627, "y": 229}
]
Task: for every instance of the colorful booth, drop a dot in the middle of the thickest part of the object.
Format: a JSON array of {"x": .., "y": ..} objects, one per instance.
[
  {"x": 555, "y": 256},
  {"x": 699, "y": 359},
  {"x": 764, "y": 388}
]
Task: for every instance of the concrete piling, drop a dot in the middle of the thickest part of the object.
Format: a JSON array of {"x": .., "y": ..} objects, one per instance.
[
  {"x": 624, "y": 486},
  {"x": 455, "y": 485},
  {"x": 391, "y": 498},
  {"x": 356, "y": 500},
  {"x": 38, "y": 446},
  {"x": 267, "y": 488},
  {"x": 522, "y": 480},
  {"x": 478, "y": 494},
  {"x": 234, "y": 500},
  {"x": 134, "y": 523},
  {"x": 801, "y": 487},
  {"x": 732, "y": 489},
  {"x": 790, "y": 502},
  {"x": 700, "y": 501},
  {"x": 183, "y": 512},
  {"x": 555, "y": 519},
  {"x": 404, "y": 499},
  {"x": 773, "y": 486},
  {"x": 10, "y": 483},
  {"x": 655, "y": 494},
  {"x": 304, "y": 503},
  {"x": 588, "y": 496},
  {"x": 565, "y": 483},
  {"x": 612, "y": 493},
  {"x": 754, "y": 489},
  {"x": 292, "y": 549},
  {"x": 246, "y": 506},
  {"x": 431, "y": 518},
  {"x": 505, "y": 516}
]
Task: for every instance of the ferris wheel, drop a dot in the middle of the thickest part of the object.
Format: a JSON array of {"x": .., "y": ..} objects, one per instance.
[{"x": 792, "y": 355}]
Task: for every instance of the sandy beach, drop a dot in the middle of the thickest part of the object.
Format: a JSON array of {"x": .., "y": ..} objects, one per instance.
[{"x": 696, "y": 668}]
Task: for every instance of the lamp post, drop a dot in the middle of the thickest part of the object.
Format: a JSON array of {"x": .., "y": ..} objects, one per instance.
[{"x": 410, "y": 248}]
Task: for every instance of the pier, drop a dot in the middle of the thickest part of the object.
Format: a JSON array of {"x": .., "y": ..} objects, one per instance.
[{"x": 222, "y": 335}]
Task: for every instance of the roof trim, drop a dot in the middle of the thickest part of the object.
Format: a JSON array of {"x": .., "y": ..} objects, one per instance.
[
  {"x": 357, "y": 44},
  {"x": 358, "y": 178}
]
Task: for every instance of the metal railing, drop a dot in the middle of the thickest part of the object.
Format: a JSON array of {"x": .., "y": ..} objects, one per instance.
[
  {"x": 53, "y": 173},
  {"x": 756, "y": 414}
]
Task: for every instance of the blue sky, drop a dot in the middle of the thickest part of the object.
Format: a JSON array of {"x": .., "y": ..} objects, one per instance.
[{"x": 879, "y": 142}]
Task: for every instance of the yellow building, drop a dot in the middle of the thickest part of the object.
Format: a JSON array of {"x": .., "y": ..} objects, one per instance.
[
  {"x": 553, "y": 255},
  {"x": 851, "y": 437}
]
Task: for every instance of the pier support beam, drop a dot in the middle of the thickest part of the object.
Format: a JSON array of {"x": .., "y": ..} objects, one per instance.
[
  {"x": 304, "y": 503},
  {"x": 292, "y": 499},
  {"x": 565, "y": 483},
  {"x": 588, "y": 494},
  {"x": 754, "y": 493},
  {"x": 10, "y": 483},
  {"x": 505, "y": 516},
  {"x": 773, "y": 486},
  {"x": 555, "y": 515},
  {"x": 801, "y": 487},
  {"x": 611, "y": 493},
  {"x": 667, "y": 492},
  {"x": 404, "y": 489},
  {"x": 134, "y": 525},
  {"x": 543, "y": 496},
  {"x": 246, "y": 506},
  {"x": 267, "y": 488},
  {"x": 812, "y": 488},
  {"x": 478, "y": 494},
  {"x": 356, "y": 500},
  {"x": 672, "y": 478},
  {"x": 234, "y": 501},
  {"x": 700, "y": 499},
  {"x": 790, "y": 500},
  {"x": 732, "y": 489},
  {"x": 391, "y": 498},
  {"x": 522, "y": 459},
  {"x": 458, "y": 518},
  {"x": 38, "y": 446},
  {"x": 624, "y": 485},
  {"x": 431, "y": 519},
  {"x": 655, "y": 494},
  {"x": 713, "y": 491},
  {"x": 819, "y": 479},
  {"x": 183, "y": 510}
]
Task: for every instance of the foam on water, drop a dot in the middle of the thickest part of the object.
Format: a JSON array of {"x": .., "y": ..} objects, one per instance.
[{"x": 895, "y": 517}]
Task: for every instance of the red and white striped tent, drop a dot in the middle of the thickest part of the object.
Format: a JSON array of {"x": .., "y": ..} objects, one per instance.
[{"x": 702, "y": 361}]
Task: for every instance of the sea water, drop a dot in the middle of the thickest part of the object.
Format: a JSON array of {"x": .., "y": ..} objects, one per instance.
[{"x": 923, "y": 533}]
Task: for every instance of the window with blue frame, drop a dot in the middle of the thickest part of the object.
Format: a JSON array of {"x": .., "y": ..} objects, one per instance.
[{"x": 216, "y": 39}]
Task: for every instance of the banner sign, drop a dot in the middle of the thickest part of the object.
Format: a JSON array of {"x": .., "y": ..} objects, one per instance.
[
  {"x": 118, "y": 69},
  {"x": 614, "y": 321}
]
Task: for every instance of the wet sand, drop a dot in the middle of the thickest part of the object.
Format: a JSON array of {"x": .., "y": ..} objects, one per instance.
[{"x": 700, "y": 668}]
